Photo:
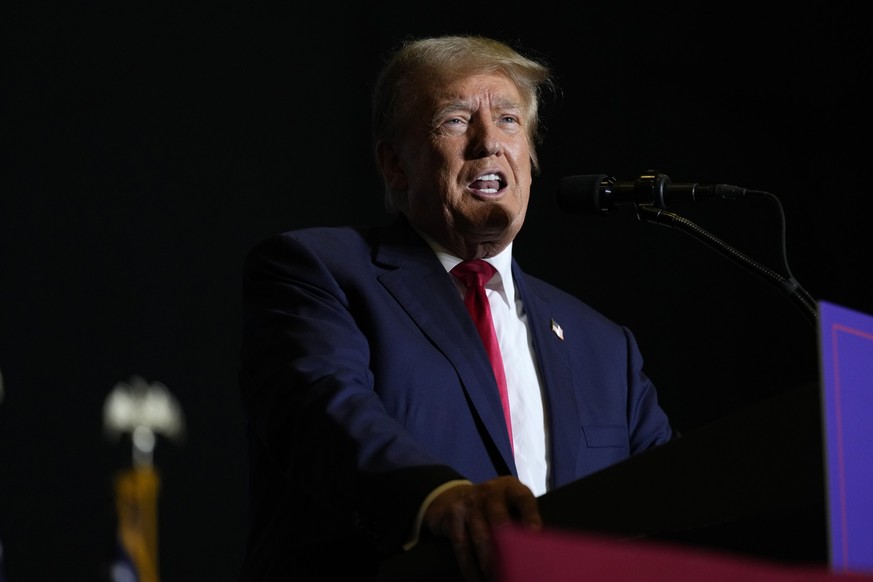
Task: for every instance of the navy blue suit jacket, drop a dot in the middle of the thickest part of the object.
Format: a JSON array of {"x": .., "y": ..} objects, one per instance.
[{"x": 366, "y": 385}]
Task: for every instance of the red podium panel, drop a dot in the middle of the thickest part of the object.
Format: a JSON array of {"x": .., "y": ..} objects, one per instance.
[{"x": 563, "y": 556}]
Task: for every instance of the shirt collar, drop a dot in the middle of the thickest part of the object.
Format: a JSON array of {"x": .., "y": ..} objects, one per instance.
[{"x": 502, "y": 282}]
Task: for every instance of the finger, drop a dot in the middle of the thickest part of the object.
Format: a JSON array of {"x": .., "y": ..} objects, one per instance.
[
  {"x": 448, "y": 517},
  {"x": 463, "y": 547},
  {"x": 525, "y": 507},
  {"x": 496, "y": 508},
  {"x": 479, "y": 524}
]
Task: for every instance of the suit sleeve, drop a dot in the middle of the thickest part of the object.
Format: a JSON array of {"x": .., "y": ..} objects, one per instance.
[{"x": 648, "y": 424}]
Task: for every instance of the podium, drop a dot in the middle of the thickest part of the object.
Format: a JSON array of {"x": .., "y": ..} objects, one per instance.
[{"x": 751, "y": 483}]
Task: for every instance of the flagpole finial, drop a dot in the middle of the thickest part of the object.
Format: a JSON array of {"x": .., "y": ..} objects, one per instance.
[{"x": 144, "y": 410}]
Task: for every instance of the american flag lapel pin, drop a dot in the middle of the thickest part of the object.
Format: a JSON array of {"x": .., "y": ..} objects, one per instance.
[{"x": 557, "y": 330}]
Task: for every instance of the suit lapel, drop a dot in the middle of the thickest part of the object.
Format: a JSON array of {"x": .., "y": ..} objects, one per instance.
[
  {"x": 417, "y": 280},
  {"x": 553, "y": 360}
]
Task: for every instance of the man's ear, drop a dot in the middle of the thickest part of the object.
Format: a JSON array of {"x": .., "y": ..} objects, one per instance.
[{"x": 390, "y": 166}]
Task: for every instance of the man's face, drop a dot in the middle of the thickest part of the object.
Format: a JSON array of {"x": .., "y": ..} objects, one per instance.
[{"x": 465, "y": 164}]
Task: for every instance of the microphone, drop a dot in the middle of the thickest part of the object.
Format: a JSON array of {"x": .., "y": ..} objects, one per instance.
[{"x": 601, "y": 194}]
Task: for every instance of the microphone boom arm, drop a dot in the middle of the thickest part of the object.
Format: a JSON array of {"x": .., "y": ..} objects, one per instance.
[{"x": 787, "y": 283}]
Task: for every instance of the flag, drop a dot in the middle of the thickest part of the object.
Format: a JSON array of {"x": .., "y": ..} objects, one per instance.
[{"x": 136, "y": 496}]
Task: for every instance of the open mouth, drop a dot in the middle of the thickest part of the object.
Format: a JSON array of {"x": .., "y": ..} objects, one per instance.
[{"x": 488, "y": 184}]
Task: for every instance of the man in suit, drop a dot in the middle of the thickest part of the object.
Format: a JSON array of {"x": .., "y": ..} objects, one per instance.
[{"x": 375, "y": 415}]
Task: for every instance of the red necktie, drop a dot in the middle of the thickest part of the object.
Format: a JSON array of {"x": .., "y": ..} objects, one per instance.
[{"x": 474, "y": 275}]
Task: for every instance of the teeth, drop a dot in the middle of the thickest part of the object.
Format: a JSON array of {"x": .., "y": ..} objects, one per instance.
[
  {"x": 488, "y": 190},
  {"x": 489, "y": 177}
]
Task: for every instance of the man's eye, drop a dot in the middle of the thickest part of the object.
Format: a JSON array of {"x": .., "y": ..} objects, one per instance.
[{"x": 454, "y": 125}]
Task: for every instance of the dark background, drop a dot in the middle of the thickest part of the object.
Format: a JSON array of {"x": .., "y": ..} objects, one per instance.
[{"x": 144, "y": 153}]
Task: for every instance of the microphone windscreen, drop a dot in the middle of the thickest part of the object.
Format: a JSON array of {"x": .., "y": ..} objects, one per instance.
[{"x": 581, "y": 194}]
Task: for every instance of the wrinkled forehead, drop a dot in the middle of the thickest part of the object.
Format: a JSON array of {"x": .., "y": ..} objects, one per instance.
[
  {"x": 493, "y": 90},
  {"x": 491, "y": 87}
]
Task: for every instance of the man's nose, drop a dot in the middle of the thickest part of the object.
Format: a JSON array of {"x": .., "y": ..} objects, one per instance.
[{"x": 485, "y": 140}]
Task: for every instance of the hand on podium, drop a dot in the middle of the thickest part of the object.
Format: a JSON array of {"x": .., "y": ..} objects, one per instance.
[{"x": 467, "y": 515}]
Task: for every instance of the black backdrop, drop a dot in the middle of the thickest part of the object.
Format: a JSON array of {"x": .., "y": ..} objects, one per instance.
[{"x": 144, "y": 153}]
